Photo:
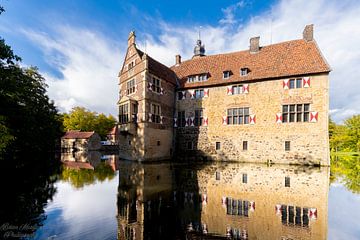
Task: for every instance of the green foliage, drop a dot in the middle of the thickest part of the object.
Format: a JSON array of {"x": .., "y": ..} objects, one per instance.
[
  {"x": 347, "y": 170},
  {"x": 32, "y": 122},
  {"x": 82, "y": 177},
  {"x": 5, "y": 137},
  {"x": 345, "y": 137},
  {"x": 82, "y": 119}
]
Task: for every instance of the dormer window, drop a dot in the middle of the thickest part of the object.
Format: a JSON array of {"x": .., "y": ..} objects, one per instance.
[
  {"x": 202, "y": 77},
  {"x": 191, "y": 79},
  {"x": 197, "y": 78},
  {"x": 244, "y": 71},
  {"x": 226, "y": 74}
]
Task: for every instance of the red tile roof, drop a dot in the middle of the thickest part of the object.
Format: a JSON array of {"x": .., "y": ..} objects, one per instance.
[
  {"x": 113, "y": 130},
  {"x": 159, "y": 69},
  {"x": 291, "y": 58},
  {"x": 76, "y": 134}
]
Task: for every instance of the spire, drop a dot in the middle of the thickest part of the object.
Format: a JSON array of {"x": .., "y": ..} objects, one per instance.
[{"x": 199, "y": 49}]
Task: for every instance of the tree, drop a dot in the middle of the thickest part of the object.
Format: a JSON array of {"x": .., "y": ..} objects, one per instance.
[
  {"x": 29, "y": 121},
  {"x": 353, "y": 131},
  {"x": 82, "y": 119}
]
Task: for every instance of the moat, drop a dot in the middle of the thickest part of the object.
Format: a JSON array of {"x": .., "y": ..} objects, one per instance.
[{"x": 100, "y": 197}]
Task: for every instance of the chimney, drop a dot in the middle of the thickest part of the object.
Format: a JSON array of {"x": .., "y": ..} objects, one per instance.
[
  {"x": 308, "y": 33},
  {"x": 177, "y": 60},
  {"x": 131, "y": 39},
  {"x": 254, "y": 44}
]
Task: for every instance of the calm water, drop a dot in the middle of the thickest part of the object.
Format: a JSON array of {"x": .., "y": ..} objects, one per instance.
[{"x": 100, "y": 197}]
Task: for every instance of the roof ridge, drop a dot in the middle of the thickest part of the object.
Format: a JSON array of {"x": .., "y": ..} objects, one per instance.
[{"x": 235, "y": 52}]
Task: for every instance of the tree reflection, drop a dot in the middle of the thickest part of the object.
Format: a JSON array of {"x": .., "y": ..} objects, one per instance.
[
  {"x": 347, "y": 170},
  {"x": 27, "y": 190},
  {"x": 79, "y": 178}
]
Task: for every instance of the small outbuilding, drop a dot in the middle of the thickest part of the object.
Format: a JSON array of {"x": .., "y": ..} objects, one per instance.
[
  {"x": 75, "y": 140},
  {"x": 113, "y": 136}
]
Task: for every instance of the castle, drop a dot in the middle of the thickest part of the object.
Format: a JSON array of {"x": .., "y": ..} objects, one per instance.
[{"x": 264, "y": 104}]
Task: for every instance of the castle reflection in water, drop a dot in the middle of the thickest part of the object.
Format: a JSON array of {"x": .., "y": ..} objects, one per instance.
[{"x": 221, "y": 201}]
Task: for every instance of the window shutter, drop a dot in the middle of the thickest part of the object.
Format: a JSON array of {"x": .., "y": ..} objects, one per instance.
[
  {"x": 223, "y": 201},
  {"x": 206, "y": 121},
  {"x": 161, "y": 119},
  {"x": 313, "y": 213},
  {"x": 204, "y": 199},
  {"x": 314, "y": 116},
  {"x": 150, "y": 86},
  {"x": 246, "y": 88},
  {"x": 286, "y": 84},
  {"x": 162, "y": 91},
  {"x": 192, "y": 121},
  {"x": 175, "y": 122},
  {"x": 150, "y": 115},
  {"x": 136, "y": 87},
  {"x": 206, "y": 92},
  {"x": 192, "y": 94},
  {"x": 229, "y": 90},
  {"x": 278, "y": 118},
  {"x": 183, "y": 95},
  {"x": 306, "y": 82},
  {"x": 278, "y": 209},
  {"x": 224, "y": 120},
  {"x": 252, "y": 119},
  {"x": 252, "y": 206}
]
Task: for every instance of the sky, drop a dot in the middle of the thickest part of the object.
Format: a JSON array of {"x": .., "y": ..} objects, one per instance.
[{"x": 79, "y": 46}]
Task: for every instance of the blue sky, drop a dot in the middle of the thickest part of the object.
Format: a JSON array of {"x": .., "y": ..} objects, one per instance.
[{"x": 79, "y": 45}]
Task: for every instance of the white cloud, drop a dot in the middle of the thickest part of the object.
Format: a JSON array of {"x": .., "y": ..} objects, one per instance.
[
  {"x": 89, "y": 64},
  {"x": 336, "y": 32}
]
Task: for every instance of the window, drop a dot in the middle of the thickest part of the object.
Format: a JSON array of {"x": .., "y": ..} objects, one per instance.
[
  {"x": 296, "y": 113},
  {"x": 244, "y": 71},
  {"x": 130, "y": 87},
  {"x": 199, "y": 93},
  {"x": 217, "y": 176},
  {"x": 158, "y": 142},
  {"x": 197, "y": 78},
  {"x": 237, "y": 207},
  {"x": 295, "y": 83},
  {"x": 244, "y": 178},
  {"x": 155, "y": 113},
  {"x": 237, "y": 89},
  {"x": 226, "y": 74},
  {"x": 134, "y": 112},
  {"x": 181, "y": 95},
  {"x": 123, "y": 113},
  {"x": 156, "y": 85},
  {"x": 238, "y": 116},
  {"x": 190, "y": 145},
  {"x": 217, "y": 146},
  {"x": 191, "y": 79},
  {"x": 202, "y": 77},
  {"x": 181, "y": 119},
  {"x": 287, "y": 181},
  {"x": 287, "y": 145},
  {"x": 198, "y": 120},
  {"x": 245, "y": 145},
  {"x": 130, "y": 65}
]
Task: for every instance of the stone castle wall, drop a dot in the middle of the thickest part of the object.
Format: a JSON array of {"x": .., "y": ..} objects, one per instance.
[{"x": 265, "y": 137}]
